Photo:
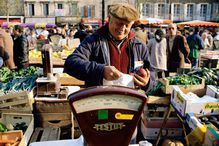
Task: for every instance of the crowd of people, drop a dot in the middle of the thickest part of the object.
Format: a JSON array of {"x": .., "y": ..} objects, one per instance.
[
  {"x": 116, "y": 48},
  {"x": 169, "y": 48},
  {"x": 20, "y": 40}
]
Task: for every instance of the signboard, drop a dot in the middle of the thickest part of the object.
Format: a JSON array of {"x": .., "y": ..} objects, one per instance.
[{"x": 68, "y": 19}]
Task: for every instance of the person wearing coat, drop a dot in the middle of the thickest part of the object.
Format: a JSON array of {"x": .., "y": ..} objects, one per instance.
[
  {"x": 158, "y": 52},
  {"x": 177, "y": 50},
  {"x": 21, "y": 50},
  {"x": 6, "y": 44},
  {"x": 110, "y": 51}
]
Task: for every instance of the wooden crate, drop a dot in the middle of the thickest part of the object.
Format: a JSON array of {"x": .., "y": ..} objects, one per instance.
[
  {"x": 167, "y": 88},
  {"x": 12, "y": 137},
  {"x": 14, "y": 118},
  {"x": 50, "y": 105},
  {"x": 76, "y": 131},
  {"x": 45, "y": 134},
  {"x": 55, "y": 61},
  {"x": 17, "y": 102},
  {"x": 55, "y": 120},
  {"x": 158, "y": 100},
  {"x": 65, "y": 79}
]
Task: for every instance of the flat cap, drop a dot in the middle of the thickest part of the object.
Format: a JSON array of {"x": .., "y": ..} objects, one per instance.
[{"x": 124, "y": 11}]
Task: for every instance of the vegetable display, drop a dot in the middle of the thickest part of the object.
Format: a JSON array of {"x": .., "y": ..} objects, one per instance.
[
  {"x": 184, "y": 80},
  {"x": 21, "y": 80},
  {"x": 211, "y": 76}
]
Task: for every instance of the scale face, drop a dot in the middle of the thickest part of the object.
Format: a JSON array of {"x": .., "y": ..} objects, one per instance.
[
  {"x": 107, "y": 116},
  {"x": 110, "y": 101}
]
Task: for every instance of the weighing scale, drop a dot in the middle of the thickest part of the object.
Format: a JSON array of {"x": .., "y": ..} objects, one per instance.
[{"x": 107, "y": 115}]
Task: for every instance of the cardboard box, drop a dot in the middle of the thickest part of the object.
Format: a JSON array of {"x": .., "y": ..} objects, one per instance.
[
  {"x": 14, "y": 118},
  {"x": 151, "y": 127},
  {"x": 192, "y": 121},
  {"x": 183, "y": 102},
  {"x": 152, "y": 120},
  {"x": 213, "y": 91},
  {"x": 211, "y": 137}
]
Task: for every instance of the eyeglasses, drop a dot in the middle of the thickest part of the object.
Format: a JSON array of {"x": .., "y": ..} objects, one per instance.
[{"x": 171, "y": 28}]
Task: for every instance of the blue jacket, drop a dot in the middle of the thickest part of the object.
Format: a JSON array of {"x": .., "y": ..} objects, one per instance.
[{"x": 88, "y": 60}]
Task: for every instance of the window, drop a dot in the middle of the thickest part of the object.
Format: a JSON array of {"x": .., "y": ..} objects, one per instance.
[
  {"x": 60, "y": 6},
  {"x": 176, "y": 10},
  {"x": 45, "y": 9},
  {"x": 89, "y": 11},
  {"x": 217, "y": 9},
  {"x": 74, "y": 9},
  {"x": 31, "y": 10},
  {"x": 145, "y": 9},
  {"x": 161, "y": 9},
  {"x": 203, "y": 11},
  {"x": 190, "y": 8}
]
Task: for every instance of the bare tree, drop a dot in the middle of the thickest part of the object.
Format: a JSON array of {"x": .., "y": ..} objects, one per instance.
[{"x": 11, "y": 7}]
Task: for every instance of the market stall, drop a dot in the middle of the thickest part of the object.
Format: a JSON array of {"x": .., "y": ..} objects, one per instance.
[
  {"x": 198, "y": 23},
  {"x": 153, "y": 21},
  {"x": 29, "y": 25},
  {"x": 38, "y": 98}
]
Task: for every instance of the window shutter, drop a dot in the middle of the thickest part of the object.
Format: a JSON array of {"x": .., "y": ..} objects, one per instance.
[
  {"x": 93, "y": 11},
  {"x": 85, "y": 11}
]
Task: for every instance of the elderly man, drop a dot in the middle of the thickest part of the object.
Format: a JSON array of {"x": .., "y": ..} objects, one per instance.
[
  {"x": 177, "y": 49},
  {"x": 111, "y": 51}
]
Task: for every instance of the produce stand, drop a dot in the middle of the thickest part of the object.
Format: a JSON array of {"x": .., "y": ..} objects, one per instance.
[
  {"x": 209, "y": 59},
  {"x": 18, "y": 118},
  {"x": 167, "y": 88},
  {"x": 52, "y": 119},
  {"x": 18, "y": 101}
]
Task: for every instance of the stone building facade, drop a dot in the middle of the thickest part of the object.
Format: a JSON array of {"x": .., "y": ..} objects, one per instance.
[
  {"x": 71, "y": 11},
  {"x": 178, "y": 10}
]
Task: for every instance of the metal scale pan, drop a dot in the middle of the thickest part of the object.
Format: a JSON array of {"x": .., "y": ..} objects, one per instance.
[{"x": 107, "y": 115}]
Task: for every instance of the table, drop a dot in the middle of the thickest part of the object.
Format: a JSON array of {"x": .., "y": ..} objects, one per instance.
[
  {"x": 69, "y": 142},
  {"x": 165, "y": 121}
]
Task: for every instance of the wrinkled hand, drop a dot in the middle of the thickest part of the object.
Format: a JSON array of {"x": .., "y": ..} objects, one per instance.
[
  {"x": 142, "y": 81},
  {"x": 111, "y": 73}
]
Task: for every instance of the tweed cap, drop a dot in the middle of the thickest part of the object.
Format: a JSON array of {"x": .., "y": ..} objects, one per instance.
[{"x": 124, "y": 11}]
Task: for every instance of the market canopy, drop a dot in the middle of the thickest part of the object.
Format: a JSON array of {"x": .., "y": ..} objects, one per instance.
[
  {"x": 199, "y": 23},
  {"x": 153, "y": 21},
  {"x": 30, "y": 25}
]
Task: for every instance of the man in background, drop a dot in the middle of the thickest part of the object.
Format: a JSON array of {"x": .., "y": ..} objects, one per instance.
[
  {"x": 195, "y": 44},
  {"x": 177, "y": 49},
  {"x": 6, "y": 45}
]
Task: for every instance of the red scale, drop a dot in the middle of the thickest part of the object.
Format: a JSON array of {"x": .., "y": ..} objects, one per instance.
[{"x": 107, "y": 116}]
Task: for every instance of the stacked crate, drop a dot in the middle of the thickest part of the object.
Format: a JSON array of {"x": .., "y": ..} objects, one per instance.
[
  {"x": 153, "y": 117},
  {"x": 54, "y": 113},
  {"x": 16, "y": 108}
]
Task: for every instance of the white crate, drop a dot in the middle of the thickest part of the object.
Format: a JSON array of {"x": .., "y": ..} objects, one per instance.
[
  {"x": 183, "y": 103},
  {"x": 150, "y": 129}
]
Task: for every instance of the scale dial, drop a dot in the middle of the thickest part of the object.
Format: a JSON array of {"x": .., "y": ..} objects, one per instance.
[{"x": 111, "y": 101}]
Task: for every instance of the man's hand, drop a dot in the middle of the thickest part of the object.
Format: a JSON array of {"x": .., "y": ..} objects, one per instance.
[
  {"x": 111, "y": 73},
  {"x": 142, "y": 81}
]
